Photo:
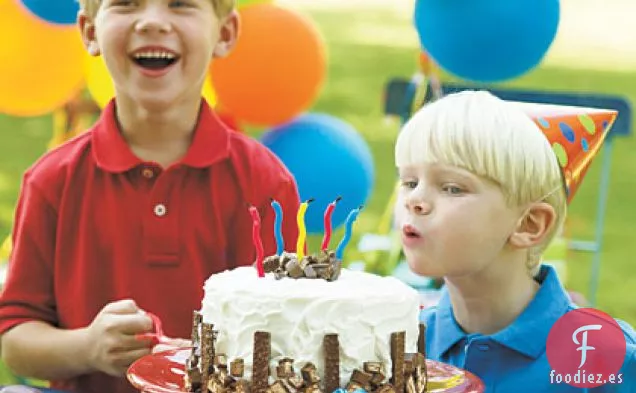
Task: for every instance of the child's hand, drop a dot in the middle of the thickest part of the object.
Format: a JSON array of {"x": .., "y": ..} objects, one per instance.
[
  {"x": 174, "y": 343},
  {"x": 112, "y": 345}
]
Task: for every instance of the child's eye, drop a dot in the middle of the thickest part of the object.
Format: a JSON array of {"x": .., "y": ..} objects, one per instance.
[
  {"x": 452, "y": 189},
  {"x": 180, "y": 3},
  {"x": 121, "y": 3},
  {"x": 411, "y": 184}
]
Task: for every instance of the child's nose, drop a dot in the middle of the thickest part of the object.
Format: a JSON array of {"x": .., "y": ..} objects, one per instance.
[
  {"x": 418, "y": 206},
  {"x": 152, "y": 20}
]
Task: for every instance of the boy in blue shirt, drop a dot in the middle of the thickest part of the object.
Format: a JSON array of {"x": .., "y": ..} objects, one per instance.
[{"x": 481, "y": 197}]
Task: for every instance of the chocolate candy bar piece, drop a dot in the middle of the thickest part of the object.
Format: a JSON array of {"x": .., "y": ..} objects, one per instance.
[
  {"x": 297, "y": 382},
  {"x": 421, "y": 378},
  {"x": 293, "y": 269},
  {"x": 313, "y": 389},
  {"x": 260, "y": 362},
  {"x": 387, "y": 388},
  {"x": 303, "y": 262},
  {"x": 361, "y": 378},
  {"x": 352, "y": 386},
  {"x": 331, "y": 347},
  {"x": 278, "y": 387},
  {"x": 410, "y": 385},
  {"x": 378, "y": 378},
  {"x": 279, "y": 274},
  {"x": 310, "y": 374},
  {"x": 196, "y": 322},
  {"x": 285, "y": 368},
  {"x": 408, "y": 366},
  {"x": 336, "y": 267},
  {"x": 220, "y": 360},
  {"x": 192, "y": 380},
  {"x": 372, "y": 367},
  {"x": 397, "y": 358},
  {"x": 207, "y": 352},
  {"x": 215, "y": 386},
  {"x": 237, "y": 368},
  {"x": 310, "y": 272},
  {"x": 240, "y": 386},
  {"x": 271, "y": 263},
  {"x": 421, "y": 340},
  {"x": 323, "y": 270}
]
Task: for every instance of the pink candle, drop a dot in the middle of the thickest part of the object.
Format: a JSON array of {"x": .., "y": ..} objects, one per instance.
[
  {"x": 258, "y": 243},
  {"x": 327, "y": 222}
]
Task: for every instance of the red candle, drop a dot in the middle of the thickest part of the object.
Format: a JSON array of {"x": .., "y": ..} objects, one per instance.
[
  {"x": 258, "y": 243},
  {"x": 327, "y": 222}
]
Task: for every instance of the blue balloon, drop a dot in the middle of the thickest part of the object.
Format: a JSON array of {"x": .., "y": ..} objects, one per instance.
[
  {"x": 487, "y": 40},
  {"x": 63, "y": 12},
  {"x": 328, "y": 158}
]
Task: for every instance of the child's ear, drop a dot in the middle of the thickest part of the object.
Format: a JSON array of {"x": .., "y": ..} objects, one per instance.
[
  {"x": 228, "y": 35},
  {"x": 534, "y": 226},
  {"x": 87, "y": 30}
]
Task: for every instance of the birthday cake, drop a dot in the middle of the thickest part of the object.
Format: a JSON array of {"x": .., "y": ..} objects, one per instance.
[{"x": 296, "y": 323}]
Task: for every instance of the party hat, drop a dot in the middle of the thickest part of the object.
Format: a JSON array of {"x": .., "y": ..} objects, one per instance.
[{"x": 576, "y": 135}]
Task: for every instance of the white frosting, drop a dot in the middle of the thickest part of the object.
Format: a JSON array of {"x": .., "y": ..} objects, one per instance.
[{"x": 362, "y": 308}]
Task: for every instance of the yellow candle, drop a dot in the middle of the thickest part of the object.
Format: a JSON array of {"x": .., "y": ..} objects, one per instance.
[{"x": 302, "y": 231}]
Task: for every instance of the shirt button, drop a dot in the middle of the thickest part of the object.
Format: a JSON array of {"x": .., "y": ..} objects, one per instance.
[
  {"x": 160, "y": 210},
  {"x": 148, "y": 173}
]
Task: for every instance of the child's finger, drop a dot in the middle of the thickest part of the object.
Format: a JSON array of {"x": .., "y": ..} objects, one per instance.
[{"x": 126, "y": 306}]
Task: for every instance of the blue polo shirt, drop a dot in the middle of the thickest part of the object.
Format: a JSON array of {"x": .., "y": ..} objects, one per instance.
[{"x": 514, "y": 359}]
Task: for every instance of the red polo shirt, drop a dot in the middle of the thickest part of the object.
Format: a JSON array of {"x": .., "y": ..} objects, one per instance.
[{"x": 95, "y": 224}]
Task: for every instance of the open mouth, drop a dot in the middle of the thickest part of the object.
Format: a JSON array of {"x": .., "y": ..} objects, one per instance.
[
  {"x": 154, "y": 60},
  {"x": 411, "y": 232}
]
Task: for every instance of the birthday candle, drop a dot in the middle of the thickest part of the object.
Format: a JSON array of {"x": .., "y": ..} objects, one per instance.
[
  {"x": 256, "y": 238},
  {"x": 327, "y": 221},
  {"x": 278, "y": 227},
  {"x": 302, "y": 231},
  {"x": 347, "y": 235}
]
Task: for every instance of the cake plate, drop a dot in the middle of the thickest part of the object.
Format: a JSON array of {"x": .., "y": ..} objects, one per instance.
[{"x": 164, "y": 372}]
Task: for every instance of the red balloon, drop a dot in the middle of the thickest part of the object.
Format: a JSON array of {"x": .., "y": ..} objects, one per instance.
[{"x": 276, "y": 69}]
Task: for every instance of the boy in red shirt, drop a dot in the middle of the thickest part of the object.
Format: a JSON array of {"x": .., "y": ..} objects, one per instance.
[{"x": 136, "y": 213}]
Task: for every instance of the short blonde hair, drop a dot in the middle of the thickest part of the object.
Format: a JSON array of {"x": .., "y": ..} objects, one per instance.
[
  {"x": 491, "y": 138},
  {"x": 222, "y": 7}
]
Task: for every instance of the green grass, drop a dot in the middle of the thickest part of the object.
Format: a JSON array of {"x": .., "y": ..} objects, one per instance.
[{"x": 363, "y": 54}]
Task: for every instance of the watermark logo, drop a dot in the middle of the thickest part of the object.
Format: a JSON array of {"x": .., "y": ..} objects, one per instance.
[{"x": 586, "y": 348}]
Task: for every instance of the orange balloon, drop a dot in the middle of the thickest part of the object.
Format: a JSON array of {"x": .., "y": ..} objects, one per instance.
[
  {"x": 40, "y": 63},
  {"x": 276, "y": 69}
]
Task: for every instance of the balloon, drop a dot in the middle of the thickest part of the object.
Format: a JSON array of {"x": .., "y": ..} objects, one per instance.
[
  {"x": 276, "y": 69},
  {"x": 40, "y": 63},
  {"x": 100, "y": 85},
  {"x": 328, "y": 158},
  {"x": 487, "y": 40},
  {"x": 245, "y": 3},
  {"x": 54, "y": 11},
  {"x": 98, "y": 81}
]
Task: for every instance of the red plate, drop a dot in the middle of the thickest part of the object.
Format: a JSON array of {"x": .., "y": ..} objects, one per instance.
[{"x": 163, "y": 372}]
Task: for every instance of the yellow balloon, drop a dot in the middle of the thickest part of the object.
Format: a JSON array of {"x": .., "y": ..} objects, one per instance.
[
  {"x": 98, "y": 81},
  {"x": 101, "y": 87},
  {"x": 40, "y": 62},
  {"x": 208, "y": 91}
]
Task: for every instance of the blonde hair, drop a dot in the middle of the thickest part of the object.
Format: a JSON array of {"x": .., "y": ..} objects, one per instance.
[
  {"x": 222, "y": 7},
  {"x": 491, "y": 138}
]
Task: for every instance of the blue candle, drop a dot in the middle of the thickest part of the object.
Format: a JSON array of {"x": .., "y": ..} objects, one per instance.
[
  {"x": 347, "y": 235},
  {"x": 278, "y": 227}
]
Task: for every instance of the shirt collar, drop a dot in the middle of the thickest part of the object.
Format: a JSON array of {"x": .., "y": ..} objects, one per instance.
[
  {"x": 527, "y": 334},
  {"x": 210, "y": 142}
]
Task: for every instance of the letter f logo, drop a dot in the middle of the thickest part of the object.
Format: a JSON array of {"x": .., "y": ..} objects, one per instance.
[{"x": 584, "y": 347}]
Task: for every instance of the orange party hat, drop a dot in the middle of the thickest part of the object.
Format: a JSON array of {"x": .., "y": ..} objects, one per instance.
[{"x": 576, "y": 135}]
